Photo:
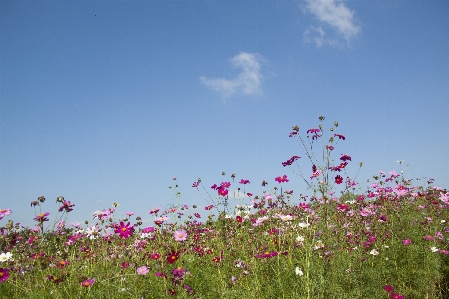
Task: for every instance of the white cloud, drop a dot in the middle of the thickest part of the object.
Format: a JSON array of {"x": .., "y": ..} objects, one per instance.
[
  {"x": 247, "y": 82},
  {"x": 338, "y": 16}
]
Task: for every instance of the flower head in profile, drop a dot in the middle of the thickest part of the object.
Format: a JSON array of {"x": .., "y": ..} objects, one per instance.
[
  {"x": 180, "y": 235},
  {"x": 155, "y": 210},
  {"x": 124, "y": 231},
  {"x": 4, "y": 213},
  {"x": 42, "y": 217},
  {"x": 244, "y": 182},
  {"x": 66, "y": 205},
  {"x": 298, "y": 271}
]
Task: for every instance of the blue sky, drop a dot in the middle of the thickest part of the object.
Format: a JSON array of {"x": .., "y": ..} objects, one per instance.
[{"x": 105, "y": 102}]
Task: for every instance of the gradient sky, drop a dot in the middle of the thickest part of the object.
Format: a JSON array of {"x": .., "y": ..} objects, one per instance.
[{"x": 105, "y": 102}]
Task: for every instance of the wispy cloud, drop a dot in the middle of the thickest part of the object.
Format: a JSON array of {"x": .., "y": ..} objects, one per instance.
[
  {"x": 334, "y": 14},
  {"x": 247, "y": 82}
]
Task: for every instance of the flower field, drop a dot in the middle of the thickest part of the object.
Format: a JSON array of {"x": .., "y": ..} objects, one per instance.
[{"x": 388, "y": 240}]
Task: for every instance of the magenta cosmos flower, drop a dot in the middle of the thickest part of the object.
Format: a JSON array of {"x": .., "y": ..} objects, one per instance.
[
  {"x": 180, "y": 235},
  {"x": 4, "y": 274},
  {"x": 42, "y": 217},
  {"x": 406, "y": 242},
  {"x": 281, "y": 179},
  {"x": 124, "y": 231},
  {"x": 87, "y": 283},
  {"x": 338, "y": 179},
  {"x": 67, "y": 206}
]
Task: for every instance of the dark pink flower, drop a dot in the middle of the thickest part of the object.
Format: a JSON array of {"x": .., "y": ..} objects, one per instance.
[
  {"x": 290, "y": 161},
  {"x": 42, "y": 217},
  {"x": 225, "y": 184},
  {"x": 124, "y": 231},
  {"x": 155, "y": 210},
  {"x": 343, "y": 207},
  {"x": 244, "y": 182},
  {"x": 222, "y": 191},
  {"x": 62, "y": 264},
  {"x": 282, "y": 179},
  {"x": 4, "y": 274},
  {"x": 340, "y": 136},
  {"x": 172, "y": 257},
  {"x": 313, "y": 131},
  {"x": 338, "y": 179},
  {"x": 87, "y": 283},
  {"x": 406, "y": 242},
  {"x": 155, "y": 256},
  {"x": 345, "y": 158},
  {"x": 66, "y": 205}
]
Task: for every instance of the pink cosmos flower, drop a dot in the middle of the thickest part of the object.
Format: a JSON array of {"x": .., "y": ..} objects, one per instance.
[
  {"x": 180, "y": 235},
  {"x": 282, "y": 179},
  {"x": 340, "y": 136},
  {"x": 129, "y": 213},
  {"x": 62, "y": 264},
  {"x": 313, "y": 131},
  {"x": 124, "y": 231},
  {"x": 160, "y": 220},
  {"x": 244, "y": 182},
  {"x": 66, "y": 205},
  {"x": 87, "y": 283},
  {"x": 4, "y": 212},
  {"x": 143, "y": 270},
  {"x": 42, "y": 217},
  {"x": 155, "y": 210},
  {"x": 406, "y": 242}
]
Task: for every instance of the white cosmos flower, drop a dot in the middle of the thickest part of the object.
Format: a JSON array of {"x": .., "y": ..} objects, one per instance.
[
  {"x": 303, "y": 225},
  {"x": 4, "y": 257},
  {"x": 92, "y": 232},
  {"x": 300, "y": 239},
  {"x": 298, "y": 271},
  {"x": 374, "y": 252},
  {"x": 434, "y": 249}
]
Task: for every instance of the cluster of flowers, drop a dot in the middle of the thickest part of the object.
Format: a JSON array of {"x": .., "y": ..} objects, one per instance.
[{"x": 222, "y": 189}]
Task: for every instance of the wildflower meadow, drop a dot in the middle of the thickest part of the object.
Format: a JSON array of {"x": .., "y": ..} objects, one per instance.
[{"x": 336, "y": 238}]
